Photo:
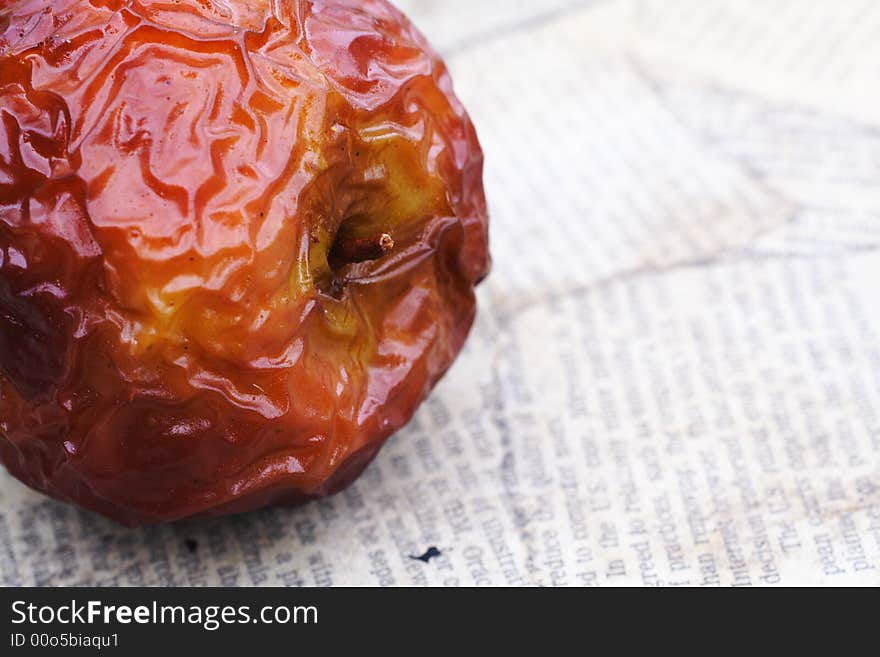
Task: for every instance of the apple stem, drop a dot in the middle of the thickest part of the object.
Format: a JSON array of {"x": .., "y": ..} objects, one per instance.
[{"x": 354, "y": 250}]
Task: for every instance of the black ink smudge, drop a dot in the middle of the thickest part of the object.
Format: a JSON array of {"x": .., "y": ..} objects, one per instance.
[{"x": 427, "y": 556}]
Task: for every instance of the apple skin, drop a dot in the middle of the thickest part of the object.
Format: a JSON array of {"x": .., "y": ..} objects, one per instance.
[{"x": 189, "y": 323}]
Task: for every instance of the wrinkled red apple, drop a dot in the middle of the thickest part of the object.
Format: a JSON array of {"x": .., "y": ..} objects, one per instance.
[{"x": 238, "y": 246}]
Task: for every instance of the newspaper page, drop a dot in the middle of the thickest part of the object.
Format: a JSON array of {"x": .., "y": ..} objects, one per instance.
[
  {"x": 827, "y": 166},
  {"x": 815, "y": 53},
  {"x": 674, "y": 378}
]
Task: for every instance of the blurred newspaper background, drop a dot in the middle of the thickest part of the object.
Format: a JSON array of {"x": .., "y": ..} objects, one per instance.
[{"x": 675, "y": 376}]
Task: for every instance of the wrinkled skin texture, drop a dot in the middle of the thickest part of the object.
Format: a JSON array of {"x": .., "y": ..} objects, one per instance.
[{"x": 181, "y": 330}]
